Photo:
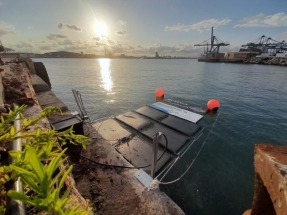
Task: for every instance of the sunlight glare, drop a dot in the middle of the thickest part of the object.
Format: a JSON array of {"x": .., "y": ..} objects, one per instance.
[
  {"x": 107, "y": 82},
  {"x": 101, "y": 29}
]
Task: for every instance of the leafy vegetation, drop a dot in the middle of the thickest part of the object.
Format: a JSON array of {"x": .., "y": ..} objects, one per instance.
[{"x": 41, "y": 164}]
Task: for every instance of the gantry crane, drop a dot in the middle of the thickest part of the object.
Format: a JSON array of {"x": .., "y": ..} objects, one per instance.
[
  {"x": 267, "y": 45},
  {"x": 213, "y": 44}
]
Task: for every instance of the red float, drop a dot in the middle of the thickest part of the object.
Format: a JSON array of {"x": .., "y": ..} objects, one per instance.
[
  {"x": 213, "y": 104},
  {"x": 159, "y": 92}
]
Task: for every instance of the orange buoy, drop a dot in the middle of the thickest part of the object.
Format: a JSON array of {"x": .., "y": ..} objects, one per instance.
[
  {"x": 213, "y": 104},
  {"x": 159, "y": 94}
]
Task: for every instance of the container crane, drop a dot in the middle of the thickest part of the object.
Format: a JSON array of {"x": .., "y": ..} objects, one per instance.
[
  {"x": 213, "y": 44},
  {"x": 267, "y": 45}
]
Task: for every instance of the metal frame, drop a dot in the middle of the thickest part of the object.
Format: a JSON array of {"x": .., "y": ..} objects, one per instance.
[
  {"x": 83, "y": 114},
  {"x": 17, "y": 207}
]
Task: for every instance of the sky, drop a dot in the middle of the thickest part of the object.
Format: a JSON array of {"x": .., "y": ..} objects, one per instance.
[{"x": 137, "y": 27}]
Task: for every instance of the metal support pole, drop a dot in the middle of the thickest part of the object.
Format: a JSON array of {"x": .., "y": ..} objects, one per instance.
[
  {"x": 16, "y": 206},
  {"x": 156, "y": 139}
]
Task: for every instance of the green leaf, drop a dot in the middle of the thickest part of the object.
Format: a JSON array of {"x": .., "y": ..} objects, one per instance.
[
  {"x": 56, "y": 179},
  {"x": 2, "y": 119},
  {"x": 4, "y": 137},
  {"x": 22, "y": 170},
  {"x": 63, "y": 180},
  {"x": 19, "y": 196},
  {"x": 31, "y": 183},
  {"x": 54, "y": 164},
  {"x": 42, "y": 183},
  {"x": 45, "y": 186},
  {"x": 35, "y": 163}
]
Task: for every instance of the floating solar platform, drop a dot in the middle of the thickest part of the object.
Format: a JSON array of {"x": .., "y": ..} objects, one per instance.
[{"x": 132, "y": 134}]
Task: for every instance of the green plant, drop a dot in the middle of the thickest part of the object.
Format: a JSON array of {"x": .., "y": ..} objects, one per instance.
[
  {"x": 5, "y": 173},
  {"x": 41, "y": 165}
]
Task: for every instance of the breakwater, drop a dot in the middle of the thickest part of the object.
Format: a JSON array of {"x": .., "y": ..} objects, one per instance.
[{"x": 278, "y": 61}]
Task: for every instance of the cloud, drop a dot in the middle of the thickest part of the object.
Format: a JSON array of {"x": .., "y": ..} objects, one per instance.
[
  {"x": 122, "y": 25},
  {"x": 121, "y": 33},
  {"x": 66, "y": 42},
  {"x": 59, "y": 42},
  {"x": 62, "y": 45},
  {"x": 260, "y": 20},
  {"x": 3, "y": 32},
  {"x": 68, "y": 27},
  {"x": 24, "y": 46},
  {"x": 56, "y": 36},
  {"x": 96, "y": 38},
  {"x": 122, "y": 22},
  {"x": 102, "y": 40},
  {"x": 6, "y": 29},
  {"x": 200, "y": 26},
  {"x": 100, "y": 44}
]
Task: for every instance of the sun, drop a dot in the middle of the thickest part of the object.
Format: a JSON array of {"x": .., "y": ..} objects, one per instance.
[{"x": 101, "y": 29}]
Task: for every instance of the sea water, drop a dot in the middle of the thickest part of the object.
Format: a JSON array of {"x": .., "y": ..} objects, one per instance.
[{"x": 253, "y": 110}]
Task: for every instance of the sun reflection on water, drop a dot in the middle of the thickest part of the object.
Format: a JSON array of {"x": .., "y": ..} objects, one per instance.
[{"x": 107, "y": 82}]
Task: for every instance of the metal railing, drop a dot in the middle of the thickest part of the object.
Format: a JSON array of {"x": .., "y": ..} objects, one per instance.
[
  {"x": 83, "y": 113},
  {"x": 17, "y": 207}
]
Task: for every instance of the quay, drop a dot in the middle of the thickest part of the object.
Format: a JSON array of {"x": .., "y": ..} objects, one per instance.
[{"x": 265, "y": 51}]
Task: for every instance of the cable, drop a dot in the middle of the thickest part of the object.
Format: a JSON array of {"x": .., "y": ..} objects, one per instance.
[
  {"x": 170, "y": 166},
  {"x": 128, "y": 167},
  {"x": 164, "y": 183},
  {"x": 166, "y": 144},
  {"x": 202, "y": 146},
  {"x": 102, "y": 164}
]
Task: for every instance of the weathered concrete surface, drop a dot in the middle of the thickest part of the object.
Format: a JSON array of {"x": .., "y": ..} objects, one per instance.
[
  {"x": 30, "y": 65},
  {"x": 17, "y": 83},
  {"x": 49, "y": 99},
  {"x": 270, "y": 195},
  {"x": 39, "y": 84},
  {"x": 115, "y": 190}
]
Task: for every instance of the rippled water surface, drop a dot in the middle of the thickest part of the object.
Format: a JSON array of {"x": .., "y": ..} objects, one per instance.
[{"x": 253, "y": 100}]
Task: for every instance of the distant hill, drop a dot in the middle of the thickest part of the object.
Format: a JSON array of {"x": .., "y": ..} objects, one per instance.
[{"x": 65, "y": 54}]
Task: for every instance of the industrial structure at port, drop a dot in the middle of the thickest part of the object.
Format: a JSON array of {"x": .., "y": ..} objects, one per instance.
[{"x": 262, "y": 48}]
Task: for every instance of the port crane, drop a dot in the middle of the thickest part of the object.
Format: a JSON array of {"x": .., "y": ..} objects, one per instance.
[
  {"x": 267, "y": 45},
  {"x": 213, "y": 44}
]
